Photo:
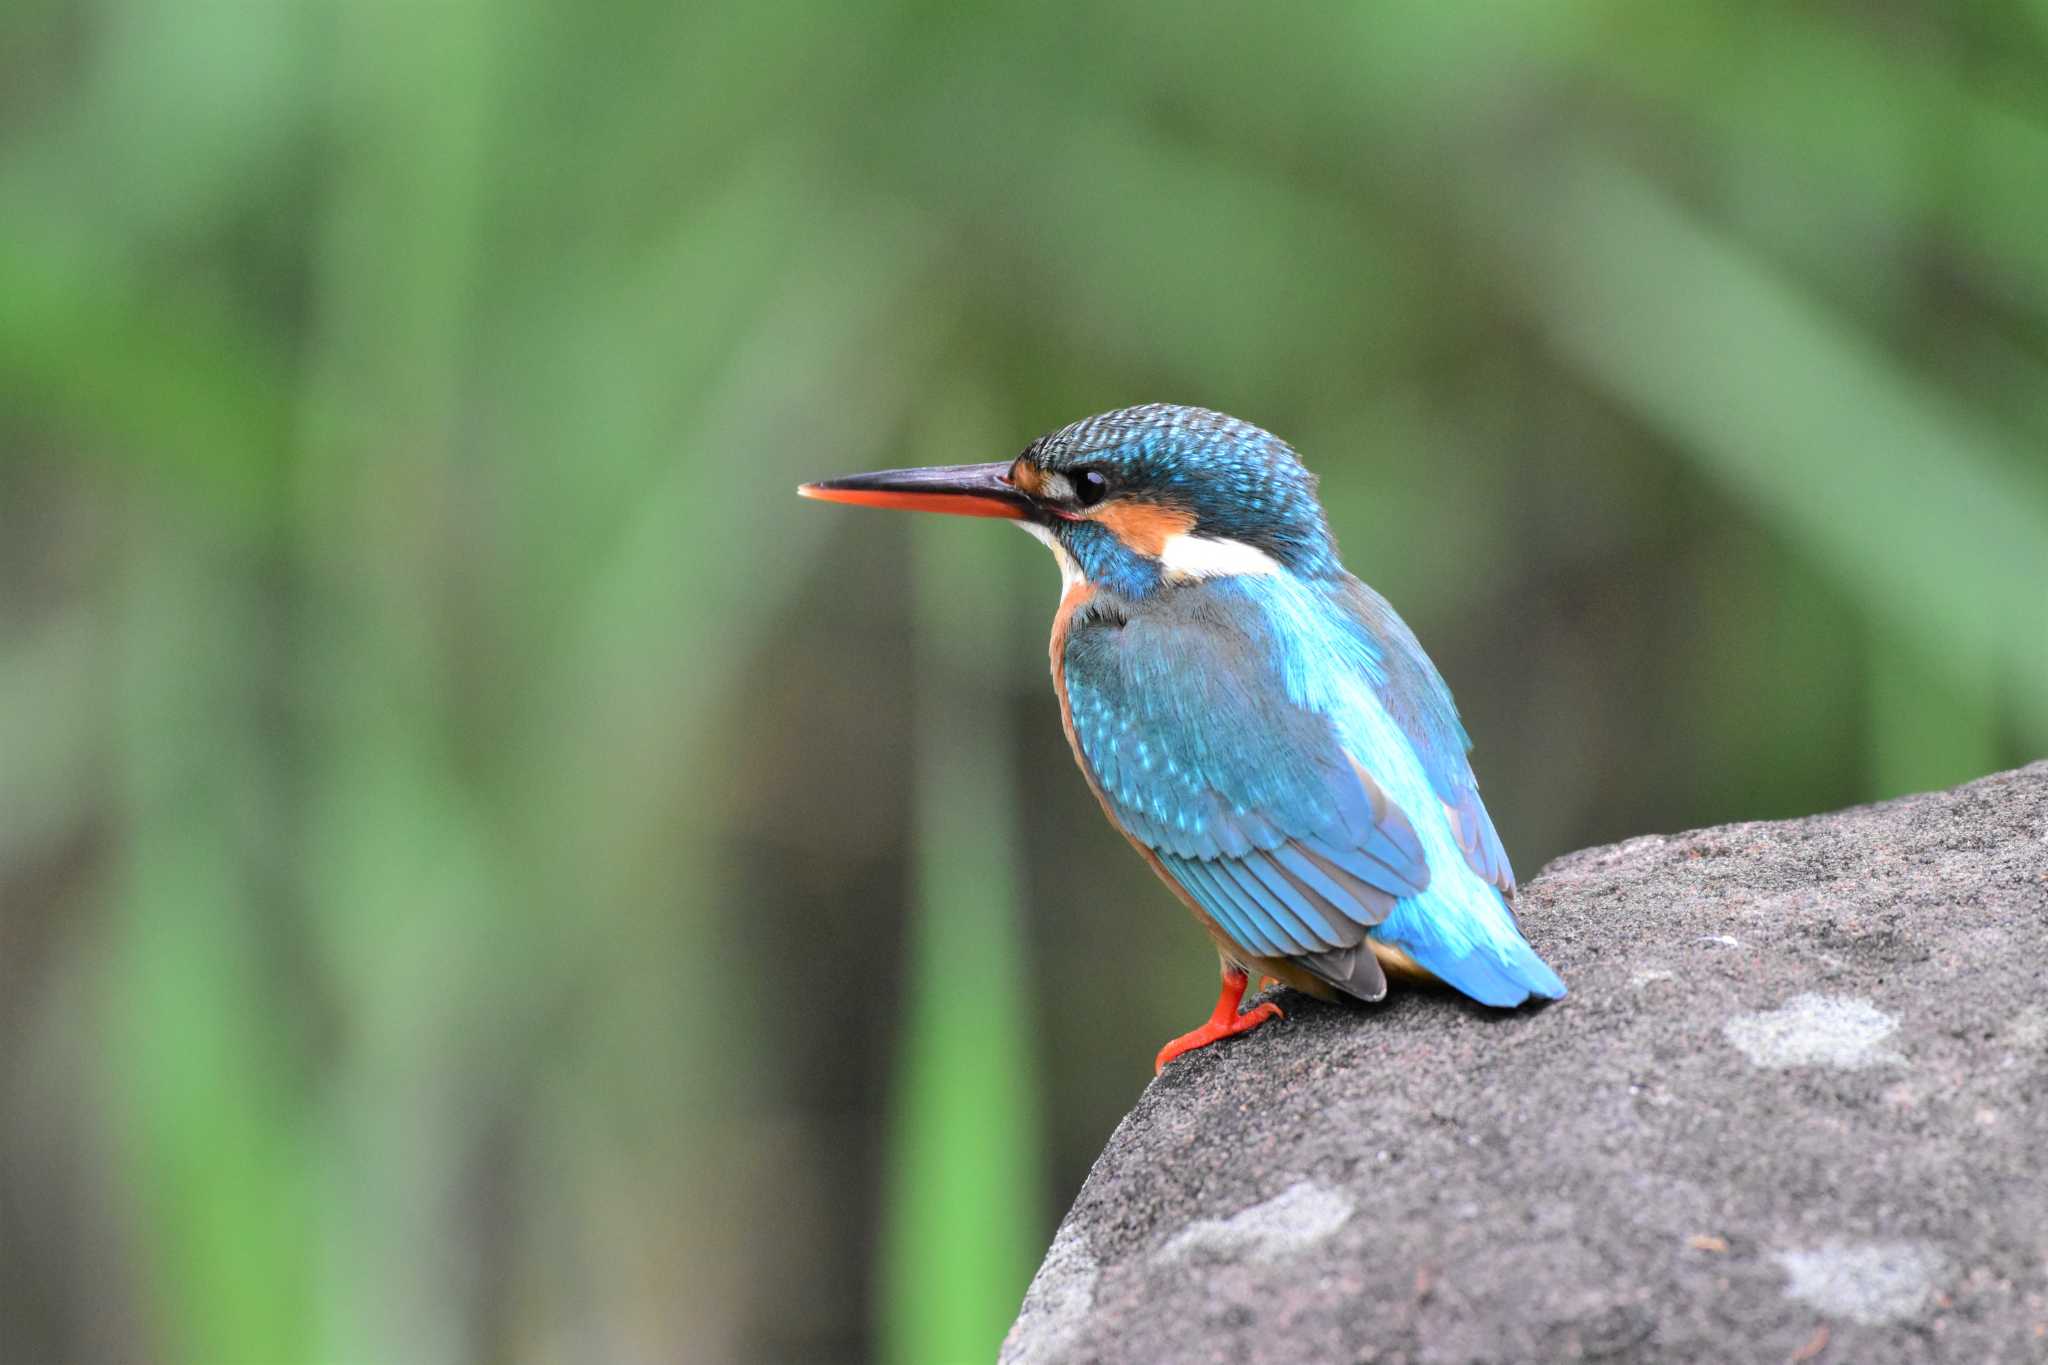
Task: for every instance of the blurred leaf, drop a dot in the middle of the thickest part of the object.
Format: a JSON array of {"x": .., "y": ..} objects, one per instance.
[
  {"x": 1913, "y": 505},
  {"x": 162, "y": 376},
  {"x": 1896, "y": 139},
  {"x": 1932, "y": 725},
  {"x": 208, "y": 1086}
]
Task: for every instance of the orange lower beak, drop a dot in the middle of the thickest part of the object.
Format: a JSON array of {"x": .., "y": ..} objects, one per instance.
[{"x": 967, "y": 490}]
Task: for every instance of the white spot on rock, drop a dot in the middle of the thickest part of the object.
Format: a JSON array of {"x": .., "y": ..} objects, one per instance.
[
  {"x": 1057, "y": 1305},
  {"x": 1816, "y": 1030},
  {"x": 1721, "y": 940},
  {"x": 1649, "y": 976},
  {"x": 1294, "y": 1220},
  {"x": 1870, "y": 1283},
  {"x": 2029, "y": 1028}
]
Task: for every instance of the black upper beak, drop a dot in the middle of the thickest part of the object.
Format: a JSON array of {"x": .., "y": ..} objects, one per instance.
[{"x": 970, "y": 490}]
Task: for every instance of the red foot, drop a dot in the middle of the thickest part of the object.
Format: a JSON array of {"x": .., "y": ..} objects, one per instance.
[{"x": 1225, "y": 1022}]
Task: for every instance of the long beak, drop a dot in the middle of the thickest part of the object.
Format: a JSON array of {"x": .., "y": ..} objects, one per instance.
[{"x": 968, "y": 490}]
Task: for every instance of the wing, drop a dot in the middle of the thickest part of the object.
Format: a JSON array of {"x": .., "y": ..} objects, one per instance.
[
  {"x": 1249, "y": 802},
  {"x": 1415, "y": 695}
]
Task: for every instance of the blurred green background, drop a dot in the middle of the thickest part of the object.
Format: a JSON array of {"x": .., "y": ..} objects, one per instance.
[{"x": 490, "y": 875}]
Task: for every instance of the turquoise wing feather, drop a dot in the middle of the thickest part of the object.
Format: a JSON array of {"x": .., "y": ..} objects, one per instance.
[
  {"x": 1249, "y": 801},
  {"x": 1415, "y": 694}
]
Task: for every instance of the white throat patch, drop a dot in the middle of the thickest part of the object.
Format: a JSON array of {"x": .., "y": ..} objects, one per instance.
[{"x": 1070, "y": 569}]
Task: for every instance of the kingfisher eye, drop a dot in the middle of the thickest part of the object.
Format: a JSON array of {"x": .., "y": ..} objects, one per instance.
[{"x": 1090, "y": 486}]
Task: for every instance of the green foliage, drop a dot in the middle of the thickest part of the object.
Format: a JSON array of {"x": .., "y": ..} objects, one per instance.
[{"x": 488, "y": 873}]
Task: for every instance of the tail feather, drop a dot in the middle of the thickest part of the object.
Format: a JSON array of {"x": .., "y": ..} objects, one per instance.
[
  {"x": 1353, "y": 970},
  {"x": 1500, "y": 969},
  {"x": 1477, "y": 975}
]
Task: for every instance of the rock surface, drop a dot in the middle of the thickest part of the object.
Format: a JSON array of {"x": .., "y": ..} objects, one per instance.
[{"x": 1792, "y": 1110}]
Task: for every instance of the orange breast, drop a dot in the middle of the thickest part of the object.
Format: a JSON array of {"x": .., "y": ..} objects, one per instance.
[{"x": 1071, "y": 601}]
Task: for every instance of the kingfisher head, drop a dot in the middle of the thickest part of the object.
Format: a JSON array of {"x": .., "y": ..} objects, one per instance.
[{"x": 1135, "y": 499}]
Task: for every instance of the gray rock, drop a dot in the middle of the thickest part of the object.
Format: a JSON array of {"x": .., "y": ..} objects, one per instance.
[{"x": 1793, "y": 1108}]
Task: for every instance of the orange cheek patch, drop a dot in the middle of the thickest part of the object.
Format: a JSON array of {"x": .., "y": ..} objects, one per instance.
[{"x": 1144, "y": 526}]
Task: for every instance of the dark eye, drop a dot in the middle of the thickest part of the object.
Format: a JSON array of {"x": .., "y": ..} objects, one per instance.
[{"x": 1090, "y": 486}]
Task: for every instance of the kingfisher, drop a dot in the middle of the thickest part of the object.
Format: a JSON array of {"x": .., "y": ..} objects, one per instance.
[{"x": 1261, "y": 726}]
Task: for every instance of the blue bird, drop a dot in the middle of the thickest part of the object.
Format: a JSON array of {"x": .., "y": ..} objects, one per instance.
[{"x": 1261, "y": 725}]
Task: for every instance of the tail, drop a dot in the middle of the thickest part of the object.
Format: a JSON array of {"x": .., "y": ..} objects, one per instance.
[{"x": 1485, "y": 956}]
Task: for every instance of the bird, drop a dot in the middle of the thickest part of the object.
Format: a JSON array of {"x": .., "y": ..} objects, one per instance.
[{"x": 1261, "y": 725}]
